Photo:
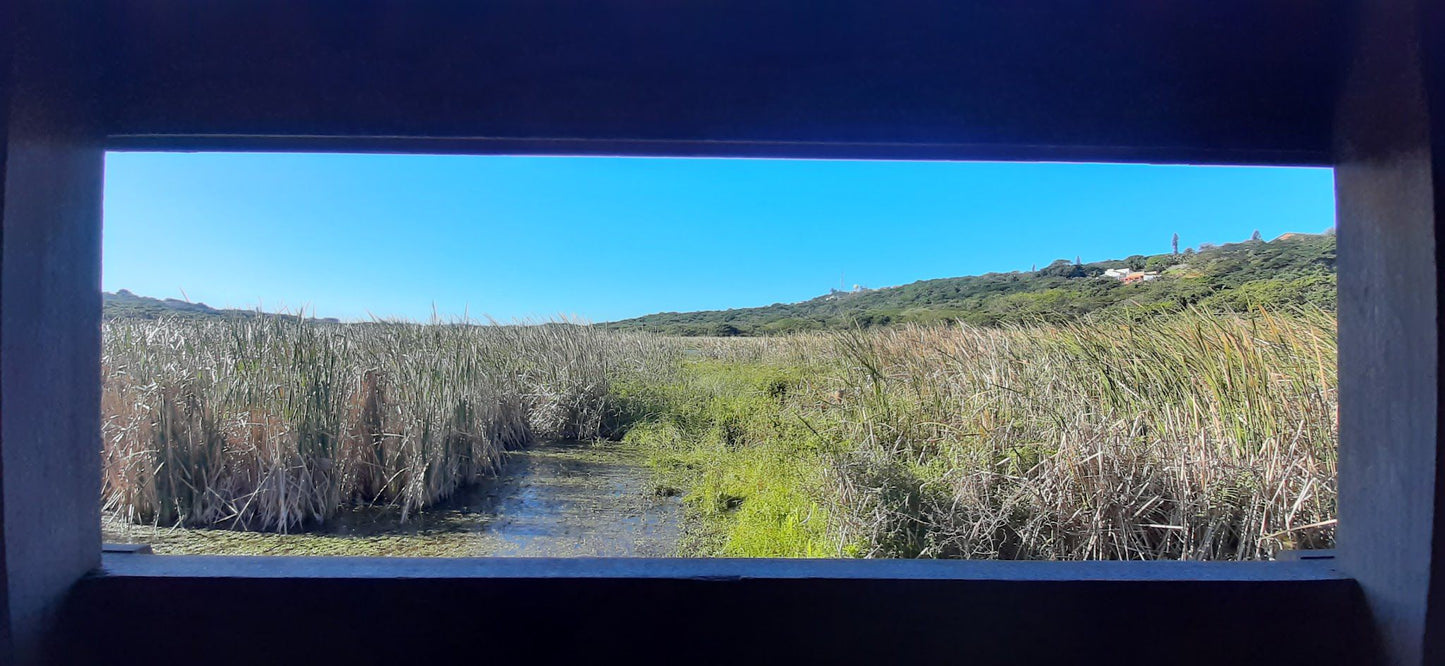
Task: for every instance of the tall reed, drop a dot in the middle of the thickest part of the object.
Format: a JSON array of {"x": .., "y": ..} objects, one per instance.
[
  {"x": 271, "y": 422},
  {"x": 1199, "y": 436}
]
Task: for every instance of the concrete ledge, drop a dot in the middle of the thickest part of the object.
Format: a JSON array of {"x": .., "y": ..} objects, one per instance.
[
  {"x": 173, "y": 610},
  {"x": 121, "y": 565}
]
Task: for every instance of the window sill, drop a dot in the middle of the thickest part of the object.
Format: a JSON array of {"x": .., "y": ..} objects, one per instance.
[
  {"x": 143, "y": 566},
  {"x": 170, "y": 609}
]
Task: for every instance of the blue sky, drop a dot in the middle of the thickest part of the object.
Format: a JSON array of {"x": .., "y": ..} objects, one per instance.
[{"x": 354, "y": 236}]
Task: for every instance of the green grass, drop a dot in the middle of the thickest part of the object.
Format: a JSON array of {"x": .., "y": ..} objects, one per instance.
[{"x": 730, "y": 434}]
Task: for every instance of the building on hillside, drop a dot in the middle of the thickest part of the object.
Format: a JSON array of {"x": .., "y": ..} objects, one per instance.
[
  {"x": 1137, "y": 277},
  {"x": 1128, "y": 276}
]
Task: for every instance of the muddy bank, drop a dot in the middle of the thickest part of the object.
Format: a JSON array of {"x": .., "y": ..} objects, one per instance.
[{"x": 556, "y": 499}]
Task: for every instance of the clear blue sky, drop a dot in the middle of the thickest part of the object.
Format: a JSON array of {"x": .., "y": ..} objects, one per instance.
[{"x": 352, "y": 236}]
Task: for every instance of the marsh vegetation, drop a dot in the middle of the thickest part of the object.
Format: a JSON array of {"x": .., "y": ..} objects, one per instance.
[
  {"x": 275, "y": 422},
  {"x": 1193, "y": 435}
]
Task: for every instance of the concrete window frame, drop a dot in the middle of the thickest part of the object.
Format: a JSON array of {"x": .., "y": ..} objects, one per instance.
[{"x": 1353, "y": 85}]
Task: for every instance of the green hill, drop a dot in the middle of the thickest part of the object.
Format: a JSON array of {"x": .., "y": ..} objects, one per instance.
[
  {"x": 125, "y": 305},
  {"x": 1295, "y": 269}
]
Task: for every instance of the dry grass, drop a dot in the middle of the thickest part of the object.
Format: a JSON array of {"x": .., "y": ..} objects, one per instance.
[
  {"x": 274, "y": 422},
  {"x": 1196, "y": 437}
]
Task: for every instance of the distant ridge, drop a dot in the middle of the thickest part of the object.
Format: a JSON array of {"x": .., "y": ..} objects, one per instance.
[
  {"x": 1296, "y": 269},
  {"x": 124, "y": 304}
]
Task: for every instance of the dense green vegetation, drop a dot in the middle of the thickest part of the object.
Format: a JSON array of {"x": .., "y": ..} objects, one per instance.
[
  {"x": 720, "y": 432},
  {"x": 1297, "y": 269},
  {"x": 1294, "y": 270}
]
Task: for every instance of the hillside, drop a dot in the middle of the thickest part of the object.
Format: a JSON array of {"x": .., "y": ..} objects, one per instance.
[
  {"x": 125, "y": 305},
  {"x": 1295, "y": 269}
]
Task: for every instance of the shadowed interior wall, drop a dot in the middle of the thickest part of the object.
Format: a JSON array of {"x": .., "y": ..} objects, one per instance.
[
  {"x": 358, "y": 610},
  {"x": 1220, "y": 81},
  {"x": 49, "y": 322},
  {"x": 1387, "y": 191},
  {"x": 1231, "y": 81}
]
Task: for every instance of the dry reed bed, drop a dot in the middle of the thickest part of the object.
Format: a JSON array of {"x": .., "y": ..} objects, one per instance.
[
  {"x": 1193, "y": 437},
  {"x": 270, "y": 423},
  {"x": 1189, "y": 437}
]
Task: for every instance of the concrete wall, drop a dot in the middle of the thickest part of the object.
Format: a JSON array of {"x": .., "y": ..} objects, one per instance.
[
  {"x": 183, "y": 610},
  {"x": 1239, "y": 80},
  {"x": 1387, "y": 191},
  {"x": 49, "y": 324}
]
